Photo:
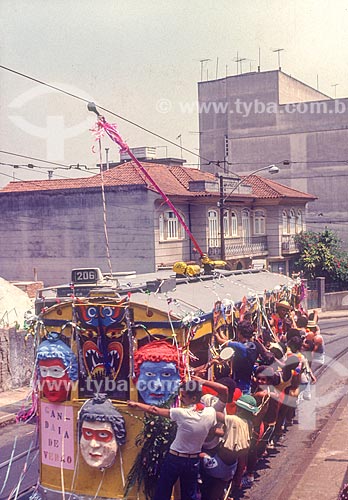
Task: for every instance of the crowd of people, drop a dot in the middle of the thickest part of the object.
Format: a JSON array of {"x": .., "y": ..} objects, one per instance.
[{"x": 235, "y": 409}]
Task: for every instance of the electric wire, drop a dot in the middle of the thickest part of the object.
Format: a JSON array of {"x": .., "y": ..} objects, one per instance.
[
  {"x": 131, "y": 122},
  {"x": 169, "y": 141}
]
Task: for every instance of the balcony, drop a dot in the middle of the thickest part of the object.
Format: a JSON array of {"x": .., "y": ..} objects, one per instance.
[
  {"x": 238, "y": 247},
  {"x": 288, "y": 244}
]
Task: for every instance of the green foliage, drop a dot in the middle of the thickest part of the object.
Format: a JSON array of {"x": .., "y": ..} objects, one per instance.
[{"x": 321, "y": 255}]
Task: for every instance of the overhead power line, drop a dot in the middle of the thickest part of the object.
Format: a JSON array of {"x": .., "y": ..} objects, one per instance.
[
  {"x": 77, "y": 166},
  {"x": 131, "y": 122}
]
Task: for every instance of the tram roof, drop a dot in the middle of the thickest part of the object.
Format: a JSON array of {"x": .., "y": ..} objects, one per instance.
[{"x": 202, "y": 292}]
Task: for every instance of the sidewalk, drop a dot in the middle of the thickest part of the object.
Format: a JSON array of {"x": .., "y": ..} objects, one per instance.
[
  {"x": 327, "y": 469},
  {"x": 11, "y": 402},
  {"x": 333, "y": 314}
]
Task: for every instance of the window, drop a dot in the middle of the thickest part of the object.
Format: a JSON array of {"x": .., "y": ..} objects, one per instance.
[
  {"x": 226, "y": 224},
  {"x": 246, "y": 223},
  {"x": 169, "y": 227},
  {"x": 285, "y": 222},
  {"x": 299, "y": 225},
  {"x": 213, "y": 224},
  {"x": 234, "y": 224},
  {"x": 292, "y": 222},
  {"x": 259, "y": 222}
]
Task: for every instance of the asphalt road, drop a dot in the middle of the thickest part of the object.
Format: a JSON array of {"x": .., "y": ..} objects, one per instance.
[
  {"x": 19, "y": 441},
  {"x": 274, "y": 475}
]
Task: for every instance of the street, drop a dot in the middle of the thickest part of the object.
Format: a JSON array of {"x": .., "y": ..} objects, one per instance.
[
  {"x": 274, "y": 474},
  {"x": 18, "y": 441}
]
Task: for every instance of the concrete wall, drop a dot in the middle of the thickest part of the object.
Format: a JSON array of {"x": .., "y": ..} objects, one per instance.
[
  {"x": 292, "y": 90},
  {"x": 312, "y": 133},
  {"x": 54, "y": 232},
  {"x": 16, "y": 358},
  {"x": 336, "y": 301}
]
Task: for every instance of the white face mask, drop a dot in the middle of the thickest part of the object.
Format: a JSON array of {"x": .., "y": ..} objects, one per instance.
[{"x": 98, "y": 444}]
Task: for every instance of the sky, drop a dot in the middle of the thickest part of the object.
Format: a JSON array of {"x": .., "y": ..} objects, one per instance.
[{"x": 141, "y": 60}]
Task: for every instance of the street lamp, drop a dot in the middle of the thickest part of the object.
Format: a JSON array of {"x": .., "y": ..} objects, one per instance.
[{"x": 272, "y": 169}]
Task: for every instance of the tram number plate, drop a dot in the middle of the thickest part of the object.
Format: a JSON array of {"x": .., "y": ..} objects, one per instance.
[{"x": 84, "y": 275}]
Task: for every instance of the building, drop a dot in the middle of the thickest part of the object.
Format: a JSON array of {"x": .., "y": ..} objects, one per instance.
[
  {"x": 55, "y": 225},
  {"x": 257, "y": 119}
]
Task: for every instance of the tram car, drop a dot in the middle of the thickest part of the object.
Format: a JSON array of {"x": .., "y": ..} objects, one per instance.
[{"x": 120, "y": 343}]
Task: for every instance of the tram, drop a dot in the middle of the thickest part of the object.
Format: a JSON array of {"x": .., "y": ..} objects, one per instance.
[{"x": 92, "y": 338}]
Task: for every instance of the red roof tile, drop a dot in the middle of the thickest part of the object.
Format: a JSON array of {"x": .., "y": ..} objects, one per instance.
[
  {"x": 267, "y": 188},
  {"x": 173, "y": 181}
]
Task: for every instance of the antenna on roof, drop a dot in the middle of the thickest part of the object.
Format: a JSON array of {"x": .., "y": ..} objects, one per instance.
[
  {"x": 217, "y": 68},
  {"x": 239, "y": 60},
  {"x": 335, "y": 85},
  {"x": 259, "y": 66},
  {"x": 202, "y": 61},
  {"x": 279, "y": 51}
]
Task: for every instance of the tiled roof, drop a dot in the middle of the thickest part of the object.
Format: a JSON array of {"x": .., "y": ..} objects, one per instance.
[
  {"x": 173, "y": 180},
  {"x": 267, "y": 188},
  {"x": 123, "y": 177}
]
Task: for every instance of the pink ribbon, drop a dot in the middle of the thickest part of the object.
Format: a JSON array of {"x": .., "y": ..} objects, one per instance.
[{"x": 111, "y": 131}]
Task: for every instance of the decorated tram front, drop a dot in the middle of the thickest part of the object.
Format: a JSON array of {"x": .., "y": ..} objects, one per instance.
[{"x": 94, "y": 354}]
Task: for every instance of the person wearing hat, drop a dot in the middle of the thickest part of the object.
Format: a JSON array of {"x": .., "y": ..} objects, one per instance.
[
  {"x": 318, "y": 351},
  {"x": 314, "y": 343},
  {"x": 229, "y": 461},
  {"x": 282, "y": 320}
]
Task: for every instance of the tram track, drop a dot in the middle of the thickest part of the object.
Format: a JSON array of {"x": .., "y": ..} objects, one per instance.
[
  {"x": 333, "y": 341},
  {"x": 299, "y": 442},
  {"x": 321, "y": 370},
  {"x": 17, "y": 457}
]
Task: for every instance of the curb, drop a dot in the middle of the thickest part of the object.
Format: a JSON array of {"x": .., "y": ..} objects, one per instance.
[{"x": 10, "y": 418}]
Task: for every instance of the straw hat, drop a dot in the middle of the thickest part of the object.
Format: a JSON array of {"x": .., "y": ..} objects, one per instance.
[{"x": 284, "y": 304}]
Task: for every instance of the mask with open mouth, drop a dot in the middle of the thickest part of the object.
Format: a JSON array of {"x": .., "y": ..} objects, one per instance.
[
  {"x": 94, "y": 360},
  {"x": 102, "y": 355}
]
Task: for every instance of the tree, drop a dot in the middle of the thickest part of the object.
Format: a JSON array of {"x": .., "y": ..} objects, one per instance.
[{"x": 321, "y": 255}]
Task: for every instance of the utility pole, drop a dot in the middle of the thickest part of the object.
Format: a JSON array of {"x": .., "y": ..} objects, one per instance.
[
  {"x": 107, "y": 158},
  {"x": 272, "y": 169},
  {"x": 221, "y": 208}
]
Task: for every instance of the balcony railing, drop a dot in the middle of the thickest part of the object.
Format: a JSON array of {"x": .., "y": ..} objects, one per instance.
[
  {"x": 238, "y": 247},
  {"x": 288, "y": 244}
]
